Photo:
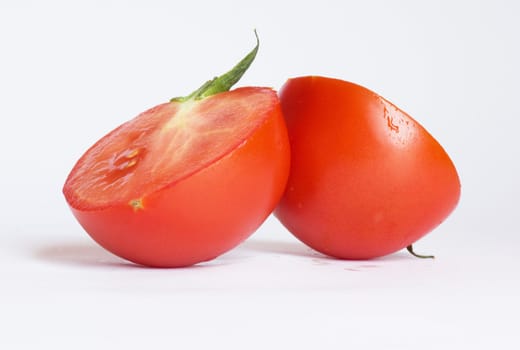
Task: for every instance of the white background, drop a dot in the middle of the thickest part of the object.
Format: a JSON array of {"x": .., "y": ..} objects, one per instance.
[{"x": 71, "y": 71}]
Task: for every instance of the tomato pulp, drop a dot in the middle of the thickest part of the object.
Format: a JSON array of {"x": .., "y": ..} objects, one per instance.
[{"x": 366, "y": 179}]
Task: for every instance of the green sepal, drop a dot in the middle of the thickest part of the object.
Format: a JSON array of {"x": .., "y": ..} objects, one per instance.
[{"x": 223, "y": 82}]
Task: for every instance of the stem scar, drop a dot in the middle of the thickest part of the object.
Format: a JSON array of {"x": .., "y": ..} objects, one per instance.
[{"x": 136, "y": 204}]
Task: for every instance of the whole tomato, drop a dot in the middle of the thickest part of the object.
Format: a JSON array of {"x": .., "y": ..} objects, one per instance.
[
  {"x": 366, "y": 179},
  {"x": 187, "y": 180}
]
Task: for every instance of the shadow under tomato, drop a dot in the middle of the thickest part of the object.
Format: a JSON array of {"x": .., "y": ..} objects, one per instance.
[
  {"x": 89, "y": 254},
  {"x": 92, "y": 255},
  {"x": 80, "y": 254},
  {"x": 278, "y": 247},
  {"x": 299, "y": 249}
]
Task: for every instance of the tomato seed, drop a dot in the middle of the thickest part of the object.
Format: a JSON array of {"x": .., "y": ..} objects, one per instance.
[{"x": 132, "y": 153}]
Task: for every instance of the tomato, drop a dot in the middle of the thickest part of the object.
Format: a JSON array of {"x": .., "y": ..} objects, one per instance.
[
  {"x": 187, "y": 180},
  {"x": 366, "y": 179}
]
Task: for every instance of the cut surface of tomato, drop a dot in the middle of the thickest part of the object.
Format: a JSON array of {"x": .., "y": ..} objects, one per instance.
[{"x": 165, "y": 144}]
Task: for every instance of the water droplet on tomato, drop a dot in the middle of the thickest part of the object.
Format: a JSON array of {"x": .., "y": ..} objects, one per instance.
[
  {"x": 390, "y": 120},
  {"x": 394, "y": 127}
]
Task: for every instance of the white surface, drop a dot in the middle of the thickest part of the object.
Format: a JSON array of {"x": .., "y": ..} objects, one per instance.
[{"x": 70, "y": 72}]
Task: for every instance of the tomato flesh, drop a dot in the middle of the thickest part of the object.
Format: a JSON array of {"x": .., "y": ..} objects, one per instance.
[
  {"x": 366, "y": 179},
  {"x": 184, "y": 182}
]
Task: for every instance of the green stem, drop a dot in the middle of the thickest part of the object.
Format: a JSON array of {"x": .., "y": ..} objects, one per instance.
[
  {"x": 410, "y": 249},
  {"x": 225, "y": 81}
]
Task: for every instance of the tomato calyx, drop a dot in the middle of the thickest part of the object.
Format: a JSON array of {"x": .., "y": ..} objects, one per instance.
[
  {"x": 420, "y": 256},
  {"x": 225, "y": 81}
]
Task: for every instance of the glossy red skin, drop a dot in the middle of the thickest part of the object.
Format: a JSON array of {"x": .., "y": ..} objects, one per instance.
[
  {"x": 366, "y": 179},
  {"x": 203, "y": 215}
]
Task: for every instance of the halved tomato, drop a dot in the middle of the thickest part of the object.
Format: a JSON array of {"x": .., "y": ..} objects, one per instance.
[{"x": 186, "y": 180}]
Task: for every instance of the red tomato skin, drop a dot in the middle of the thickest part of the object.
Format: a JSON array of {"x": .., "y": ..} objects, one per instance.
[
  {"x": 205, "y": 214},
  {"x": 366, "y": 179}
]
